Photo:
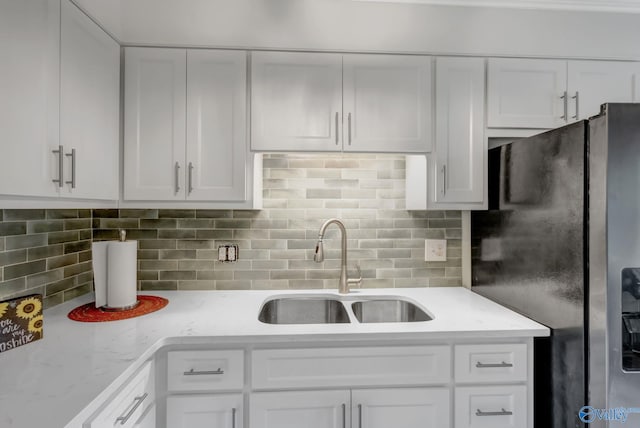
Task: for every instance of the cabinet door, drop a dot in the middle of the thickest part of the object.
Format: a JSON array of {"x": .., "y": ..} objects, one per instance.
[
  {"x": 148, "y": 419},
  {"x": 296, "y": 101},
  {"x": 29, "y": 90},
  {"x": 502, "y": 406},
  {"x": 89, "y": 107},
  {"x": 526, "y": 93},
  {"x": 592, "y": 83},
  {"x": 311, "y": 409},
  {"x": 211, "y": 411},
  {"x": 154, "y": 124},
  {"x": 460, "y": 147},
  {"x": 387, "y": 103},
  {"x": 130, "y": 405},
  {"x": 401, "y": 408},
  {"x": 216, "y": 125}
]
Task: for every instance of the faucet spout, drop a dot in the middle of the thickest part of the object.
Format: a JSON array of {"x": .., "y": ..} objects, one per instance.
[{"x": 343, "y": 285}]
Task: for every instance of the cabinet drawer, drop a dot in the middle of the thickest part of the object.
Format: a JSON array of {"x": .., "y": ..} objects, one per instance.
[
  {"x": 127, "y": 406},
  {"x": 502, "y": 406},
  {"x": 205, "y": 370},
  {"x": 491, "y": 363},
  {"x": 349, "y": 367}
]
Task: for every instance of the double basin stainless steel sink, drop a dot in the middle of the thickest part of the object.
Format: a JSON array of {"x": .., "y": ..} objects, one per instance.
[{"x": 336, "y": 310}]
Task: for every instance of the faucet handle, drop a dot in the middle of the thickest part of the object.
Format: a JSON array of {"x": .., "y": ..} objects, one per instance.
[{"x": 358, "y": 280}]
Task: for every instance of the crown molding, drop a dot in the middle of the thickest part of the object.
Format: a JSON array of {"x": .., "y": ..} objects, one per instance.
[{"x": 616, "y": 6}]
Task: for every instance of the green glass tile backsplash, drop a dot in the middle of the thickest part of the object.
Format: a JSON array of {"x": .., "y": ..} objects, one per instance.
[{"x": 49, "y": 251}]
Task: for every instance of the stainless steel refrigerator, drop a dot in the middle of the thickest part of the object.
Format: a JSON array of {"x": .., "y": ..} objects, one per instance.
[{"x": 560, "y": 244}]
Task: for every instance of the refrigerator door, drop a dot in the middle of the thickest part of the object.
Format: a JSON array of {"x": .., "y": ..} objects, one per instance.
[
  {"x": 528, "y": 254},
  {"x": 614, "y": 258}
]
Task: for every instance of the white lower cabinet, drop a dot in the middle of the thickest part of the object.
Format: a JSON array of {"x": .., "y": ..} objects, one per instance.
[
  {"x": 293, "y": 409},
  {"x": 455, "y": 384},
  {"x": 211, "y": 411},
  {"x": 503, "y": 406},
  {"x": 148, "y": 419},
  {"x": 130, "y": 406},
  {"x": 362, "y": 408},
  {"x": 400, "y": 408}
]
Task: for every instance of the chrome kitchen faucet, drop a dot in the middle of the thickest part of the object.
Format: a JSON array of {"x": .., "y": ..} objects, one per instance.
[{"x": 318, "y": 257}]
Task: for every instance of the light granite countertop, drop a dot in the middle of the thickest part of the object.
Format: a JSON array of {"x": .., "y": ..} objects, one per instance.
[{"x": 58, "y": 381}]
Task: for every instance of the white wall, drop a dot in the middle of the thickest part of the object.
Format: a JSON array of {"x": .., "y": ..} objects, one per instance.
[{"x": 370, "y": 26}]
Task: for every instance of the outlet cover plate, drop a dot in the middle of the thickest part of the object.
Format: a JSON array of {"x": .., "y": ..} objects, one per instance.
[{"x": 435, "y": 250}]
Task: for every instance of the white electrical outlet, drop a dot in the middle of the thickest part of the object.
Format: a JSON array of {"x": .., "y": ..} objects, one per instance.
[
  {"x": 227, "y": 252},
  {"x": 435, "y": 250}
]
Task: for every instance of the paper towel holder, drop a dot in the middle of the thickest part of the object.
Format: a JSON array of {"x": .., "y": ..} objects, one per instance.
[{"x": 122, "y": 267}]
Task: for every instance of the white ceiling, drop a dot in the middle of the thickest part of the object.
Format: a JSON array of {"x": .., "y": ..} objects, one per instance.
[
  {"x": 626, "y": 6},
  {"x": 376, "y": 26}
]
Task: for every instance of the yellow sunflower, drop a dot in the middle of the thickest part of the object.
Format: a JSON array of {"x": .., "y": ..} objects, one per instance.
[
  {"x": 35, "y": 325},
  {"x": 28, "y": 308},
  {"x": 3, "y": 308}
]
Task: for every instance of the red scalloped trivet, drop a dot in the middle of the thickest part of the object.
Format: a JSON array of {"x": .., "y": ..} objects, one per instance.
[{"x": 89, "y": 312}]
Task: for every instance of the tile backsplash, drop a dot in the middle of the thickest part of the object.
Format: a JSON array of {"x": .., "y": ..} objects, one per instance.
[{"x": 48, "y": 251}]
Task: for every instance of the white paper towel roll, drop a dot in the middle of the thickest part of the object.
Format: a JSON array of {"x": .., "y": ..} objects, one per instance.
[{"x": 115, "y": 271}]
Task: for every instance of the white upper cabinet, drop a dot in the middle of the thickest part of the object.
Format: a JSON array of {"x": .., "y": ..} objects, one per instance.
[
  {"x": 592, "y": 83},
  {"x": 89, "y": 107},
  {"x": 154, "y": 124},
  {"x": 332, "y": 102},
  {"x": 296, "y": 101},
  {"x": 216, "y": 125},
  {"x": 526, "y": 93},
  {"x": 29, "y": 90},
  {"x": 387, "y": 103},
  {"x": 59, "y": 115},
  {"x": 459, "y": 170},
  {"x": 543, "y": 93},
  {"x": 185, "y": 125}
]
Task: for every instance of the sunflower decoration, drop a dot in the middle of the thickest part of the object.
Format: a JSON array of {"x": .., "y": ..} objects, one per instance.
[
  {"x": 29, "y": 308},
  {"x": 3, "y": 308},
  {"x": 35, "y": 324}
]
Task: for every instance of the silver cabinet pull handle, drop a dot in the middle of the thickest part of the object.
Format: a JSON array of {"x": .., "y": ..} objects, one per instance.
[
  {"x": 488, "y": 365},
  {"x": 72, "y": 155},
  {"x": 349, "y": 128},
  {"x": 190, "y": 189},
  {"x": 138, "y": 401},
  {"x": 359, "y": 415},
  {"x": 444, "y": 179},
  {"x": 60, "y": 153},
  {"x": 176, "y": 171},
  {"x": 193, "y": 372},
  {"x": 344, "y": 415},
  {"x": 565, "y": 101},
  {"x": 233, "y": 418},
  {"x": 337, "y": 136},
  {"x": 577, "y": 98},
  {"x": 502, "y": 412}
]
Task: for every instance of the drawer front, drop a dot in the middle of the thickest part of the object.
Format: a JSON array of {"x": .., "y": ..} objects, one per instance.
[
  {"x": 491, "y": 363},
  {"x": 205, "y": 370},
  {"x": 503, "y": 406},
  {"x": 127, "y": 406},
  {"x": 350, "y": 367}
]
